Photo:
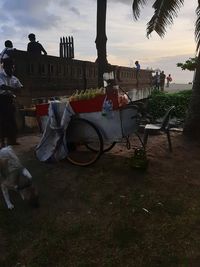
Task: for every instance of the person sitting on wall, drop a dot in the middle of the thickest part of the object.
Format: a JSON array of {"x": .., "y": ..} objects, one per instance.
[
  {"x": 7, "y": 52},
  {"x": 35, "y": 47},
  {"x": 8, "y": 84}
]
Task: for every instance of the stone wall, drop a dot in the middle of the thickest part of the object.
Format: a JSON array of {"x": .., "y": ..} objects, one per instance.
[{"x": 47, "y": 76}]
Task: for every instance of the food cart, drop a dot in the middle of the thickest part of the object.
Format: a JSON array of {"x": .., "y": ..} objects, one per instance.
[{"x": 86, "y": 132}]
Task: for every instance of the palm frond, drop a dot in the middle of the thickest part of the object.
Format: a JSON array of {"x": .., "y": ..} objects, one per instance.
[
  {"x": 136, "y": 7},
  {"x": 197, "y": 27},
  {"x": 164, "y": 13}
]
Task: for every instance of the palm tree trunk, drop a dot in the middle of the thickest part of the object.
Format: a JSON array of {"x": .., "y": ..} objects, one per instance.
[
  {"x": 101, "y": 40},
  {"x": 192, "y": 124}
]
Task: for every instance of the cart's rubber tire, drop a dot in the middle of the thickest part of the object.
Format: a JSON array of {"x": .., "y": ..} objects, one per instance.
[
  {"x": 80, "y": 135},
  {"x": 108, "y": 148}
]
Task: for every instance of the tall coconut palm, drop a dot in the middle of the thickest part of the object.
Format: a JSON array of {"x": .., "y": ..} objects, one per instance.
[
  {"x": 101, "y": 40},
  {"x": 164, "y": 13}
]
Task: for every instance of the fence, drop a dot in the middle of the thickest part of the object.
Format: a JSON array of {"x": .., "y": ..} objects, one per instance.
[{"x": 67, "y": 47}]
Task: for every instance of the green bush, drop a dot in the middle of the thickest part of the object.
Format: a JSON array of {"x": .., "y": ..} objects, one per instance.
[{"x": 159, "y": 102}]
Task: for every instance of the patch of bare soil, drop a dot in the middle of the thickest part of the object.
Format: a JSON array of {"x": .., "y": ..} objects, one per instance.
[{"x": 108, "y": 214}]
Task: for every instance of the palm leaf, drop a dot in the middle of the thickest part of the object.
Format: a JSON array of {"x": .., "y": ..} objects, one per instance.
[
  {"x": 136, "y": 6},
  {"x": 165, "y": 12},
  {"x": 197, "y": 26}
]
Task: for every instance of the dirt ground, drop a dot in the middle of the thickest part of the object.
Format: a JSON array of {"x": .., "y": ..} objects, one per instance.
[{"x": 108, "y": 214}]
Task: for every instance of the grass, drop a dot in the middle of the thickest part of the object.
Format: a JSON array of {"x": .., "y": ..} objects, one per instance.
[{"x": 106, "y": 215}]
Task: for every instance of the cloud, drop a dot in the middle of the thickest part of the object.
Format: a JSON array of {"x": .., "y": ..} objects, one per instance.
[
  {"x": 7, "y": 31},
  {"x": 44, "y": 22},
  {"x": 23, "y": 6},
  {"x": 64, "y": 3},
  {"x": 75, "y": 11},
  {"x": 35, "y": 14},
  {"x": 50, "y": 19}
]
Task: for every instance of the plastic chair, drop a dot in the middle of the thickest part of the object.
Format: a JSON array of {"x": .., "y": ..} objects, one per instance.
[{"x": 163, "y": 127}]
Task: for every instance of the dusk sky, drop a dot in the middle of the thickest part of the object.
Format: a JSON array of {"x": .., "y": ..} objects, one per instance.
[{"x": 127, "y": 40}]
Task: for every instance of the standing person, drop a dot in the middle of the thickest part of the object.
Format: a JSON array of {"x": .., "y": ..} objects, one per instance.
[
  {"x": 156, "y": 81},
  {"x": 34, "y": 47},
  {"x": 137, "y": 65},
  {"x": 7, "y": 52},
  {"x": 162, "y": 80},
  {"x": 169, "y": 79},
  {"x": 8, "y": 84},
  {"x": 137, "y": 71}
]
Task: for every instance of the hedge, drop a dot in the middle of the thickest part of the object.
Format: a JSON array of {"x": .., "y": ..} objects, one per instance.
[{"x": 159, "y": 102}]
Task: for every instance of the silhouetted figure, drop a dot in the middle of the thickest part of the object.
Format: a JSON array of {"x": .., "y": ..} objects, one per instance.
[
  {"x": 35, "y": 47},
  {"x": 162, "y": 80},
  {"x": 8, "y": 84},
  {"x": 156, "y": 81},
  {"x": 137, "y": 65},
  {"x": 137, "y": 71},
  {"x": 7, "y": 52},
  {"x": 169, "y": 79}
]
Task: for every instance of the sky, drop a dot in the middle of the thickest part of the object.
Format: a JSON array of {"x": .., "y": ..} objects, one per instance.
[{"x": 127, "y": 41}]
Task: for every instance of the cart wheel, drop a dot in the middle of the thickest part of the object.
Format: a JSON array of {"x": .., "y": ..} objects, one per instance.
[
  {"x": 80, "y": 135},
  {"x": 106, "y": 146}
]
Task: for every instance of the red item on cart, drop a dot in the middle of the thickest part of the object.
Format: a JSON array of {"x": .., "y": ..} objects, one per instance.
[
  {"x": 42, "y": 109},
  {"x": 94, "y": 104}
]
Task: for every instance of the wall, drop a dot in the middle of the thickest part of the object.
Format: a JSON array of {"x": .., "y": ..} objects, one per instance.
[{"x": 47, "y": 76}]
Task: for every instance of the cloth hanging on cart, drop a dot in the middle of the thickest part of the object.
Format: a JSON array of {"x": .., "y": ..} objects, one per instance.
[{"x": 52, "y": 146}]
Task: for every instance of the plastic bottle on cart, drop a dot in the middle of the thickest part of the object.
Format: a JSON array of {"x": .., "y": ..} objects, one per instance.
[
  {"x": 107, "y": 109},
  {"x": 110, "y": 109},
  {"x": 103, "y": 112}
]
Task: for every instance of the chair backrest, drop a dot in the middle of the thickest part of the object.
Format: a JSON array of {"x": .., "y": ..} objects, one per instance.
[{"x": 165, "y": 122}]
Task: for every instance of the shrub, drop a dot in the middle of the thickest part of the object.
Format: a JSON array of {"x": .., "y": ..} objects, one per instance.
[{"x": 159, "y": 102}]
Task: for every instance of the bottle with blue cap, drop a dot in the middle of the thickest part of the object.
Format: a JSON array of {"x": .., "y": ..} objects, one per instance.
[{"x": 107, "y": 109}]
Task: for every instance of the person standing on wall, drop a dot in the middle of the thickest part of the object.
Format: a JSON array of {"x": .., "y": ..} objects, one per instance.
[
  {"x": 137, "y": 65},
  {"x": 137, "y": 71},
  {"x": 34, "y": 47},
  {"x": 169, "y": 79},
  {"x": 8, "y": 84},
  {"x": 162, "y": 80}
]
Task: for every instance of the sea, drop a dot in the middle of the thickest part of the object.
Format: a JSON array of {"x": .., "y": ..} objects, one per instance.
[{"x": 175, "y": 87}]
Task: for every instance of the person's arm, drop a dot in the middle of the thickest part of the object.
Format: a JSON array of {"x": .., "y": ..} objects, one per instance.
[
  {"x": 15, "y": 84},
  {"x": 9, "y": 90},
  {"x": 6, "y": 87},
  {"x": 5, "y": 90},
  {"x": 43, "y": 50}
]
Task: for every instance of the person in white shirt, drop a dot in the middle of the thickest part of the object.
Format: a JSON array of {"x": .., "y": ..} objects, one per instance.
[
  {"x": 8, "y": 84},
  {"x": 7, "y": 52}
]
